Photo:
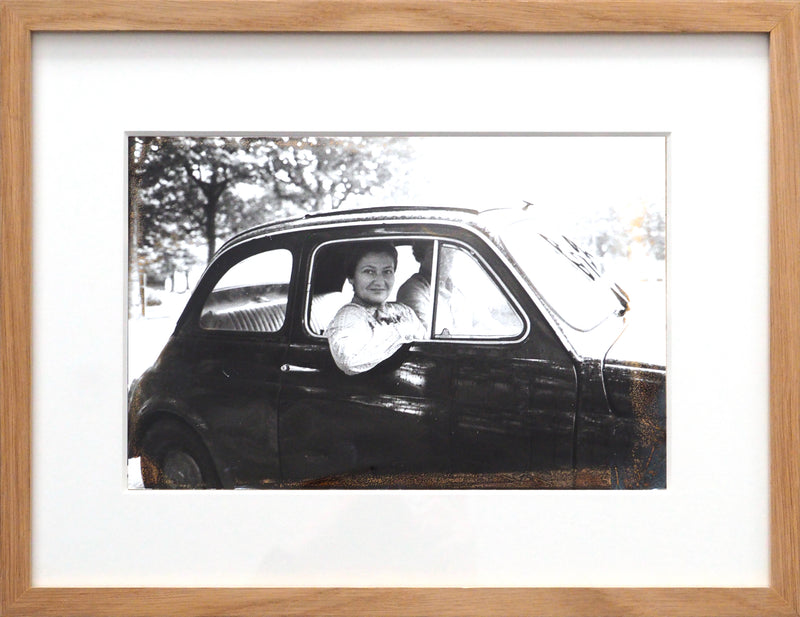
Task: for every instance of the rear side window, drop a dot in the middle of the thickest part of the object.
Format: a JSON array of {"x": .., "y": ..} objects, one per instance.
[{"x": 251, "y": 296}]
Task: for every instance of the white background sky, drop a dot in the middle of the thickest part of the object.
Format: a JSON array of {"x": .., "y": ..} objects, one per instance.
[{"x": 567, "y": 177}]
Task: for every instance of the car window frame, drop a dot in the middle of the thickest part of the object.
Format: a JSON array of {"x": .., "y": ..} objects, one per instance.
[
  {"x": 437, "y": 239},
  {"x": 220, "y": 266},
  {"x": 493, "y": 276}
]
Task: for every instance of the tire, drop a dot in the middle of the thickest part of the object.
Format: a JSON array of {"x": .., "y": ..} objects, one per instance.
[{"x": 174, "y": 457}]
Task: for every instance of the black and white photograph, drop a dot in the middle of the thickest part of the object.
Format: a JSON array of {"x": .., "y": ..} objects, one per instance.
[{"x": 466, "y": 311}]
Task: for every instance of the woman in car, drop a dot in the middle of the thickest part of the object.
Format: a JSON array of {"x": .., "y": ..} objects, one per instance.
[{"x": 369, "y": 329}]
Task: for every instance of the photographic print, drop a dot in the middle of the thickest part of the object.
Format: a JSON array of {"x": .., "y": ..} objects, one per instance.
[{"x": 387, "y": 312}]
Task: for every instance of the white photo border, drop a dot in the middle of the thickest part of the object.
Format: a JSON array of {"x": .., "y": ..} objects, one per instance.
[{"x": 102, "y": 197}]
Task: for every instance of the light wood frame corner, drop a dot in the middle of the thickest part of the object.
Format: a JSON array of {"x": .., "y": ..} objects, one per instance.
[{"x": 21, "y": 18}]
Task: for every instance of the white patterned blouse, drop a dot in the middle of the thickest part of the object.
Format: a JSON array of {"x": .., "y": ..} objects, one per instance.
[{"x": 362, "y": 337}]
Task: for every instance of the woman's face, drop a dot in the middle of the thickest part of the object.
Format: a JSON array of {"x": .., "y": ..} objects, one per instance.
[{"x": 373, "y": 278}]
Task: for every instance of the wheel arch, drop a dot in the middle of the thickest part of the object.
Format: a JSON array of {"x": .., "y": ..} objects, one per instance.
[{"x": 154, "y": 412}]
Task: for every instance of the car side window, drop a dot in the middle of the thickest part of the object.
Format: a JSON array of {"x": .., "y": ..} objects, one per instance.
[
  {"x": 251, "y": 296},
  {"x": 330, "y": 289},
  {"x": 469, "y": 303}
]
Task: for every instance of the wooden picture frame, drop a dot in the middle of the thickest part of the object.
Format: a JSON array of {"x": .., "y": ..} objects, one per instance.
[{"x": 20, "y": 18}]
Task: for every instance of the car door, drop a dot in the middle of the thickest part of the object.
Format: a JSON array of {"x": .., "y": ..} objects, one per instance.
[
  {"x": 385, "y": 427},
  {"x": 514, "y": 385},
  {"x": 240, "y": 344}
]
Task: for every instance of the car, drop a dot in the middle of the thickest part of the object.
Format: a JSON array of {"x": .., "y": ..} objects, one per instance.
[{"x": 523, "y": 394}]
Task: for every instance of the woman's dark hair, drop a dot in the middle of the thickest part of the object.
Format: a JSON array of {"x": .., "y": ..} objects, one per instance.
[{"x": 359, "y": 249}]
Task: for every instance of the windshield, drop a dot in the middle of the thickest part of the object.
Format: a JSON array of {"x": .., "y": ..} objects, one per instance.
[{"x": 564, "y": 275}]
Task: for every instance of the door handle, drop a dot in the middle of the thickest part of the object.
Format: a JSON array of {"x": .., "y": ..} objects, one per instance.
[{"x": 294, "y": 368}]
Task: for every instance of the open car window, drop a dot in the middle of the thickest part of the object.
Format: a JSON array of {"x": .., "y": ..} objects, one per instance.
[
  {"x": 251, "y": 296},
  {"x": 329, "y": 288},
  {"x": 469, "y": 303}
]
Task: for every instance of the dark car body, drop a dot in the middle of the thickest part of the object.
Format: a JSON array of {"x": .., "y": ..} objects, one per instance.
[{"x": 246, "y": 393}]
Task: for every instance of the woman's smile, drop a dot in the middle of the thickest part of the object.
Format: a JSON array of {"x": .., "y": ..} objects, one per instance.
[{"x": 373, "y": 279}]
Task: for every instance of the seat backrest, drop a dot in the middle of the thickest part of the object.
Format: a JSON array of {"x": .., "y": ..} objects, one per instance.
[
  {"x": 253, "y": 318},
  {"x": 323, "y": 309}
]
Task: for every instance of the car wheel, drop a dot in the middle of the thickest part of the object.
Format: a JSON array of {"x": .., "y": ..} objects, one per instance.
[{"x": 174, "y": 457}]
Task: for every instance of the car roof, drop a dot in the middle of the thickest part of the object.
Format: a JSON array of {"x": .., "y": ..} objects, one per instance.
[{"x": 395, "y": 214}]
